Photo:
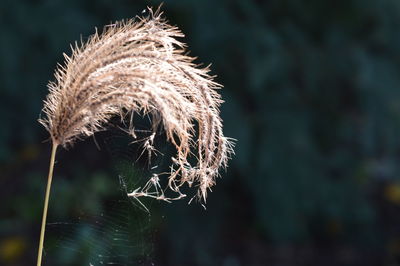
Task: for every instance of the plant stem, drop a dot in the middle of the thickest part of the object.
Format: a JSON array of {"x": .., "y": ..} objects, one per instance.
[{"x": 46, "y": 204}]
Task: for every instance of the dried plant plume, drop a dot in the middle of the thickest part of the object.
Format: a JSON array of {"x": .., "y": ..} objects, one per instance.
[{"x": 140, "y": 66}]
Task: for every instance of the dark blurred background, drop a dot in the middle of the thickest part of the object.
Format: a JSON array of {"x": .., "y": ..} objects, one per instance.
[{"x": 312, "y": 91}]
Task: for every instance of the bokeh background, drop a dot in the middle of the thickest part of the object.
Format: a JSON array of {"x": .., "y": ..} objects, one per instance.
[{"x": 312, "y": 91}]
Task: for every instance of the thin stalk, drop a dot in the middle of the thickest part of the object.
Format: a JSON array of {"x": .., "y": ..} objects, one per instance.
[{"x": 46, "y": 203}]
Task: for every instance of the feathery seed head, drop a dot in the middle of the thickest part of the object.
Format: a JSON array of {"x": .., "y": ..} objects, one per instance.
[{"x": 140, "y": 66}]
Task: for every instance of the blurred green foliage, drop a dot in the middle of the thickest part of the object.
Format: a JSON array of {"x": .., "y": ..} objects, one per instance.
[{"x": 312, "y": 91}]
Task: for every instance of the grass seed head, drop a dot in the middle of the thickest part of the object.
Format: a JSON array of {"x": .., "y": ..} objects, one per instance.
[{"x": 140, "y": 66}]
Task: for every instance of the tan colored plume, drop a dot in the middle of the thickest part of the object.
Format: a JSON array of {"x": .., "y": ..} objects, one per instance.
[{"x": 140, "y": 66}]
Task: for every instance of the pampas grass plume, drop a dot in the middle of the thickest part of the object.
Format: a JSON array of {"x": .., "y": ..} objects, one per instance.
[{"x": 140, "y": 66}]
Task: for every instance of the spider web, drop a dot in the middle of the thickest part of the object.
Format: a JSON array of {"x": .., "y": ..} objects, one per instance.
[
  {"x": 122, "y": 234},
  {"x": 120, "y": 237}
]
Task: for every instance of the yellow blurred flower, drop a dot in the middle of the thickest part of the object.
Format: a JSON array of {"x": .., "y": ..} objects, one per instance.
[
  {"x": 11, "y": 248},
  {"x": 392, "y": 193}
]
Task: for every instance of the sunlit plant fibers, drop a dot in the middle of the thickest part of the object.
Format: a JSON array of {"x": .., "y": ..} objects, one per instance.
[{"x": 140, "y": 66}]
